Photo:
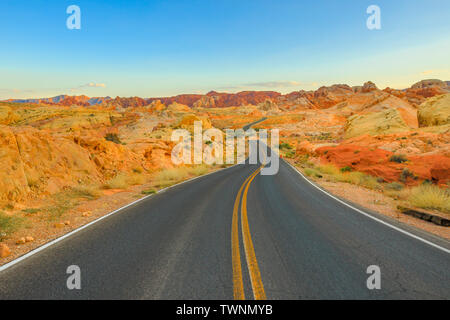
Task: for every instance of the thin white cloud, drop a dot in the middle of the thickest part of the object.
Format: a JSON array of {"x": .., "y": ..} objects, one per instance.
[
  {"x": 267, "y": 85},
  {"x": 96, "y": 85},
  {"x": 274, "y": 84},
  {"x": 88, "y": 85},
  {"x": 427, "y": 72}
]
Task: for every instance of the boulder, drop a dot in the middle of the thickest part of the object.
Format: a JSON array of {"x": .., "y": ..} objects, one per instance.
[{"x": 4, "y": 250}]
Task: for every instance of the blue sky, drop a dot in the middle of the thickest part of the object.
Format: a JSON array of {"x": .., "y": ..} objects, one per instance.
[{"x": 161, "y": 48}]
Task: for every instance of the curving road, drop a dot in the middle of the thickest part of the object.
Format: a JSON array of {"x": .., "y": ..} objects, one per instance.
[{"x": 282, "y": 238}]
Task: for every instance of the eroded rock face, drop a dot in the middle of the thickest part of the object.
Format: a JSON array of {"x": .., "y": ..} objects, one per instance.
[
  {"x": 35, "y": 160},
  {"x": 435, "y": 111},
  {"x": 13, "y": 180},
  {"x": 369, "y": 86},
  {"x": 156, "y": 106},
  {"x": 187, "y": 122},
  {"x": 268, "y": 105},
  {"x": 388, "y": 121},
  {"x": 429, "y": 83}
]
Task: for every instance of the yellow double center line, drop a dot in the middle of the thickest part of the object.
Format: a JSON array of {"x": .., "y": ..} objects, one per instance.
[{"x": 252, "y": 263}]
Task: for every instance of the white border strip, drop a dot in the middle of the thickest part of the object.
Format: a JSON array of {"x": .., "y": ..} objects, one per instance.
[
  {"x": 369, "y": 215},
  {"x": 48, "y": 244}
]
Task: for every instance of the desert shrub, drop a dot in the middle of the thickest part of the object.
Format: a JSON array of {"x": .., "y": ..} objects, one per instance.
[
  {"x": 285, "y": 145},
  {"x": 150, "y": 191},
  {"x": 9, "y": 206},
  {"x": 9, "y": 224},
  {"x": 32, "y": 181},
  {"x": 172, "y": 174},
  {"x": 113, "y": 137},
  {"x": 399, "y": 158},
  {"x": 312, "y": 173},
  {"x": 30, "y": 210},
  {"x": 124, "y": 180},
  {"x": 353, "y": 177},
  {"x": 346, "y": 169},
  {"x": 118, "y": 182},
  {"x": 198, "y": 170},
  {"x": 135, "y": 179},
  {"x": 89, "y": 192},
  {"x": 350, "y": 177},
  {"x": 406, "y": 173},
  {"x": 62, "y": 204},
  {"x": 430, "y": 196},
  {"x": 328, "y": 169},
  {"x": 290, "y": 154},
  {"x": 397, "y": 186},
  {"x": 324, "y": 136},
  {"x": 369, "y": 182},
  {"x": 138, "y": 170}
]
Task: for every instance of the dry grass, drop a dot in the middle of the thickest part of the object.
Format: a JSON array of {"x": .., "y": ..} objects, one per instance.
[
  {"x": 123, "y": 181},
  {"x": 147, "y": 192},
  {"x": 168, "y": 177},
  {"x": 118, "y": 182},
  {"x": 173, "y": 174},
  {"x": 9, "y": 224},
  {"x": 135, "y": 179},
  {"x": 355, "y": 177},
  {"x": 312, "y": 173},
  {"x": 88, "y": 192},
  {"x": 429, "y": 196},
  {"x": 199, "y": 170},
  {"x": 329, "y": 169}
]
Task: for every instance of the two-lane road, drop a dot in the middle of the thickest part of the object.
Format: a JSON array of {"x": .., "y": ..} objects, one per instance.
[{"x": 293, "y": 242}]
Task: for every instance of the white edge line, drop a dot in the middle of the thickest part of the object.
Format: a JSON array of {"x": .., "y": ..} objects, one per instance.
[
  {"x": 369, "y": 215},
  {"x": 48, "y": 244}
]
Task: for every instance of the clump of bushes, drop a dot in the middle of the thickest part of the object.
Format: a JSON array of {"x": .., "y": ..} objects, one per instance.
[
  {"x": 312, "y": 173},
  {"x": 9, "y": 224},
  {"x": 147, "y": 192},
  {"x": 353, "y": 177},
  {"x": 88, "y": 192},
  {"x": 113, "y": 137},
  {"x": 406, "y": 173},
  {"x": 329, "y": 169},
  {"x": 123, "y": 181},
  {"x": 399, "y": 158},
  {"x": 430, "y": 196},
  {"x": 290, "y": 154},
  {"x": 396, "y": 186},
  {"x": 285, "y": 145},
  {"x": 172, "y": 174},
  {"x": 180, "y": 173}
]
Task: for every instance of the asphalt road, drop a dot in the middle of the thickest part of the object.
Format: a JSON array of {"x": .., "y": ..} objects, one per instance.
[{"x": 195, "y": 241}]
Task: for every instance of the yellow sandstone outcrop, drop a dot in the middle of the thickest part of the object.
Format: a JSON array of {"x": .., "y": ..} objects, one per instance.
[
  {"x": 435, "y": 111},
  {"x": 375, "y": 123}
]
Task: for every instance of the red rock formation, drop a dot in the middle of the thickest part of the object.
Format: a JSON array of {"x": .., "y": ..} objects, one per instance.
[{"x": 376, "y": 162}]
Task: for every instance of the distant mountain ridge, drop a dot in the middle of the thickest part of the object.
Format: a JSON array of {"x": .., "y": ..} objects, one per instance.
[
  {"x": 65, "y": 100},
  {"x": 324, "y": 97}
]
